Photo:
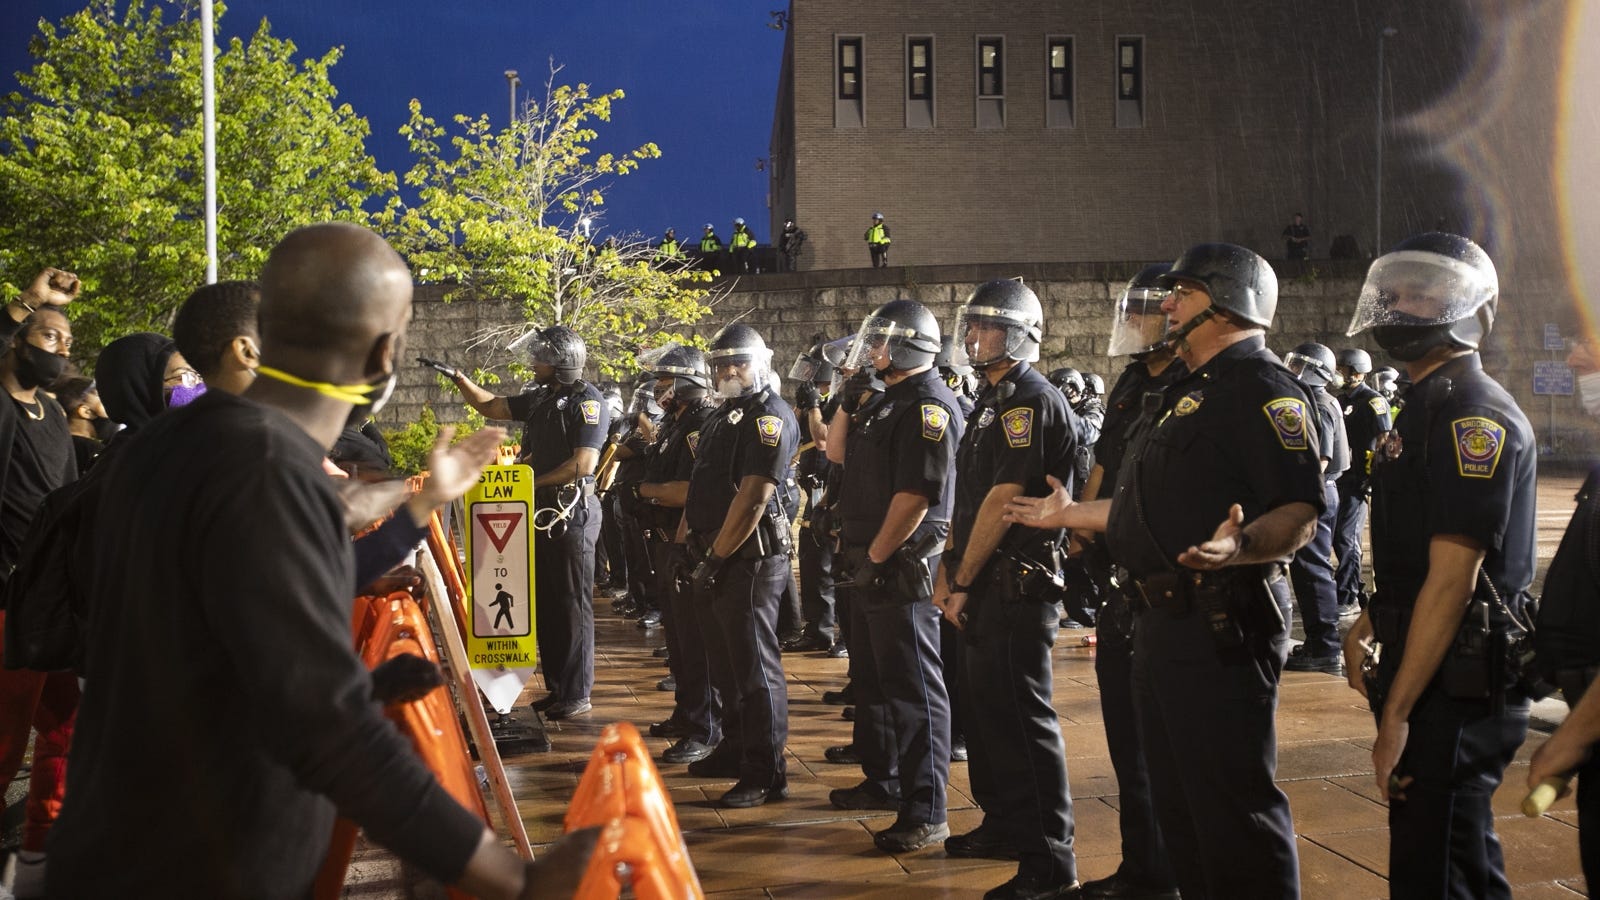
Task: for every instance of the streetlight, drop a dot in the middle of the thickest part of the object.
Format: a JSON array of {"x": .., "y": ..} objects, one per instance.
[
  {"x": 1377, "y": 231},
  {"x": 512, "y": 81}
]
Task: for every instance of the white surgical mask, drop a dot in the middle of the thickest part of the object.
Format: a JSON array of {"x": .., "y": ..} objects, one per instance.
[{"x": 1589, "y": 393}]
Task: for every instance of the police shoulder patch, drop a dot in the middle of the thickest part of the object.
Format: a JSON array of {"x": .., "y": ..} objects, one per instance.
[
  {"x": 1379, "y": 406},
  {"x": 591, "y": 412},
  {"x": 1288, "y": 418},
  {"x": 1018, "y": 425},
  {"x": 693, "y": 440},
  {"x": 769, "y": 429},
  {"x": 935, "y": 420},
  {"x": 1478, "y": 445}
]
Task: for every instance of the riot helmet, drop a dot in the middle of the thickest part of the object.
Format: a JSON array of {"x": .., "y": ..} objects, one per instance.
[
  {"x": 1094, "y": 385},
  {"x": 560, "y": 348},
  {"x": 1140, "y": 325},
  {"x": 684, "y": 365},
  {"x": 812, "y": 365},
  {"x": 1356, "y": 360},
  {"x": 1069, "y": 382},
  {"x": 1237, "y": 281},
  {"x": 1002, "y": 320},
  {"x": 904, "y": 330},
  {"x": 1312, "y": 363},
  {"x": 1386, "y": 381},
  {"x": 644, "y": 397},
  {"x": 1432, "y": 290},
  {"x": 739, "y": 361},
  {"x": 613, "y": 398}
]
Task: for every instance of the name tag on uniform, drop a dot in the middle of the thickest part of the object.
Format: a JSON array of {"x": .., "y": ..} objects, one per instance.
[
  {"x": 591, "y": 412},
  {"x": 935, "y": 419},
  {"x": 1018, "y": 424},
  {"x": 1478, "y": 445},
  {"x": 769, "y": 429},
  {"x": 1288, "y": 418}
]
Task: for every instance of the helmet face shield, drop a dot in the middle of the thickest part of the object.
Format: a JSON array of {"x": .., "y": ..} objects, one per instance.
[
  {"x": 876, "y": 335},
  {"x": 987, "y": 334},
  {"x": 804, "y": 368},
  {"x": 739, "y": 371},
  {"x": 1138, "y": 324},
  {"x": 1419, "y": 288}
]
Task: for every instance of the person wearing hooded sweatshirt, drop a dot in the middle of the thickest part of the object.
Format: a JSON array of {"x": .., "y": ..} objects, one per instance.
[{"x": 141, "y": 374}]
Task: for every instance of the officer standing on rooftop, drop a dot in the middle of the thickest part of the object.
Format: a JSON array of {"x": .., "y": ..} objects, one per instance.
[
  {"x": 739, "y": 535},
  {"x": 877, "y": 238},
  {"x": 564, "y": 426},
  {"x": 1233, "y": 443},
  {"x": 1021, "y": 432},
  {"x": 899, "y": 475},
  {"x": 1453, "y": 528}
]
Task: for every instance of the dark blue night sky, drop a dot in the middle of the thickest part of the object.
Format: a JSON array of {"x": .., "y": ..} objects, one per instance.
[{"x": 700, "y": 77}]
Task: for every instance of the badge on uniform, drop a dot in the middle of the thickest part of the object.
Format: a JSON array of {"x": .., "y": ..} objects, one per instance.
[
  {"x": 735, "y": 416},
  {"x": 935, "y": 419},
  {"x": 769, "y": 429},
  {"x": 1478, "y": 445},
  {"x": 1288, "y": 418},
  {"x": 1379, "y": 406},
  {"x": 591, "y": 412},
  {"x": 693, "y": 440},
  {"x": 1018, "y": 424},
  {"x": 985, "y": 417},
  {"x": 562, "y": 403},
  {"x": 1189, "y": 404}
]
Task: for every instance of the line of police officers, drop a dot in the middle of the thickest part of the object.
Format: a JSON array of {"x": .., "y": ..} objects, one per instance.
[{"x": 1211, "y": 474}]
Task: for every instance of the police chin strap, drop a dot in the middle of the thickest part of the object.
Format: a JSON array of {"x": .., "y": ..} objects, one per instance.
[
  {"x": 552, "y": 520},
  {"x": 1178, "y": 339}
]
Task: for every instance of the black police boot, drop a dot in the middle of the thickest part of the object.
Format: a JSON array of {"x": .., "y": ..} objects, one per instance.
[
  {"x": 744, "y": 796},
  {"x": 687, "y": 750},
  {"x": 906, "y": 838},
  {"x": 980, "y": 844},
  {"x": 865, "y": 795},
  {"x": 842, "y": 756},
  {"x": 566, "y": 709},
  {"x": 840, "y": 698},
  {"x": 1118, "y": 887},
  {"x": 1028, "y": 887}
]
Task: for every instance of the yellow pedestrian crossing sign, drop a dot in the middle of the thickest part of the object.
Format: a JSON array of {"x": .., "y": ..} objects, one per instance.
[{"x": 501, "y": 632}]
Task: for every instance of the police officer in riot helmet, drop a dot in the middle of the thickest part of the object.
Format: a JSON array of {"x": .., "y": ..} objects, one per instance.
[
  {"x": 894, "y": 508},
  {"x": 1386, "y": 381},
  {"x": 1021, "y": 434},
  {"x": 1138, "y": 331},
  {"x": 1311, "y": 570},
  {"x": 958, "y": 378},
  {"x": 1233, "y": 441},
  {"x": 1069, "y": 382},
  {"x": 634, "y": 433},
  {"x": 564, "y": 426},
  {"x": 813, "y": 374},
  {"x": 682, "y": 387},
  {"x": 1367, "y": 415},
  {"x": 1453, "y": 529},
  {"x": 1094, "y": 386},
  {"x": 738, "y": 537}
]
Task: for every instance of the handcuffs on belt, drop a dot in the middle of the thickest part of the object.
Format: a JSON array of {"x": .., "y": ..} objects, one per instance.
[{"x": 552, "y": 520}]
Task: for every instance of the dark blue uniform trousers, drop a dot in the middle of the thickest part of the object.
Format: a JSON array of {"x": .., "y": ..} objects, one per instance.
[
  {"x": 697, "y": 705},
  {"x": 1347, "y": 547},
  {"x": 816, "y": 586},
  {"x": 1211, "y": 747},
  {"x": 1144, "y": 854},
  {"x": 740, "y": 624},
  {"x": 563, "y": 575},
  {"x": 1312, "y": 573},
  {"x": 899, "y": 678},
  {"x": 1017, "y": 764},
  {"x": 1442, "y": 842}
]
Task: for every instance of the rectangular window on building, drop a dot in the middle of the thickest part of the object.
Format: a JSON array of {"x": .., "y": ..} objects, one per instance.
[
  {"x": 991, "y": 67},
  {"x": 1130, "y": 82},
  {"x": 849, "y": 68},
  {"x": 919, "y": 68},
  {"x": 1058, "y": 82}
]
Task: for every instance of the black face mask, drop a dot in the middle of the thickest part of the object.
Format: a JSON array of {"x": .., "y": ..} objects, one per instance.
[
  {"x": 35, "y": 367},
  {"x": 1409, "y": 343},
  {"x": 105, "y": 429}
]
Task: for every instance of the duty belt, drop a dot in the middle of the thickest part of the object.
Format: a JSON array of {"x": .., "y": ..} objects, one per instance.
[{"x": 1175, "y": 590}]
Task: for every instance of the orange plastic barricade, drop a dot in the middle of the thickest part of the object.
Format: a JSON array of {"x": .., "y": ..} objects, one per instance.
[
  {"x": 386, "y": 627},
  {"x": 621, "y": 789},
  {"x": 444, "y": 554}
]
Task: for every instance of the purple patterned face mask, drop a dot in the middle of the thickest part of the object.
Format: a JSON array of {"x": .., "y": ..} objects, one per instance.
[{"x": 183, "y": 395}]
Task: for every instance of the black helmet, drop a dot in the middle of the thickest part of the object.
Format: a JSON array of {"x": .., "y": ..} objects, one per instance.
[
  {"x": 946, "y": 357},
  {"x": 685, "y": 365},
  {"x": 1069, "y": 382},
  {"x": 812, "y": 365},
  {"x": 1140, "y": 326},
  {"x": 1431, "y": 290},
  {"x": 1007, "y": 304},
  {"x": 1238, "y": 279},
  {"x": 561, "y": 348},
  {"x": 1094, "y": 384},
  {"x": 1356, "y": 360},
  {"x": 905, "y": 328},
  {"x": 739, "y": 344},
  {"x": 1312, "y": 363}
]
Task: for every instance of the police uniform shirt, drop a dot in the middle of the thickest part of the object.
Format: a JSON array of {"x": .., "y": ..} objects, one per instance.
[
  {"x": 1124, "y": 412},
  {"x": 1330, "y": 430},
  {"x": 1021, "y": 430},
  {"x": 1366, "y": 417},
  {"x": 673, "y": 458},
  {"x": 557, "y": 420},
  {"x": 633, "y": 468},
  {"x": 906, "y": 446},
  {"x": 1241, "y": 430},
  {"x": 754, "y": 435},
  {"x": 1461, "y": 461}
]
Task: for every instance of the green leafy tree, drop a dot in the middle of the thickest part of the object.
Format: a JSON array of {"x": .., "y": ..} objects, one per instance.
[
  {"x": 500, "y": 217},
  {"x": 101, "y": 167}
]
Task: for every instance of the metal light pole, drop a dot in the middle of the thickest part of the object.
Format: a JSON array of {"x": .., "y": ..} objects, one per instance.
[
  {"x": 208, "y": 116},
  {"x": 1377, "y": 230},
  {"x": 512, "y": 81}
]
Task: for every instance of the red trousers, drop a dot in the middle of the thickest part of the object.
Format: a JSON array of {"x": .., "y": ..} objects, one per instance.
[{"x": 46, "y": 702}]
